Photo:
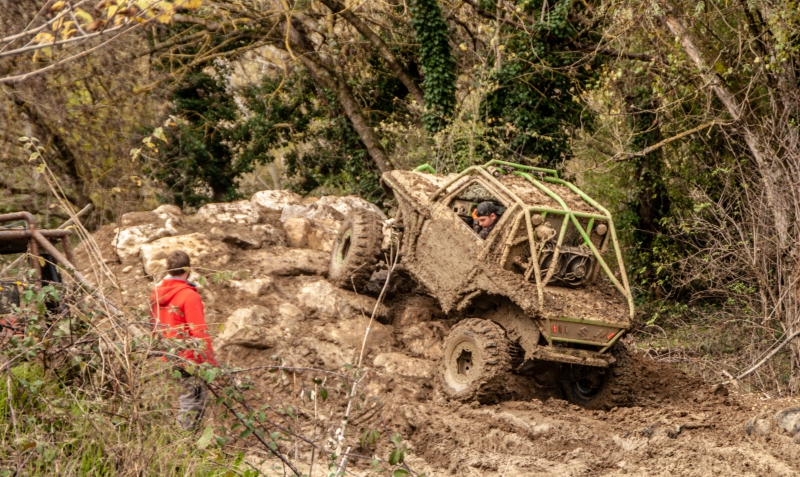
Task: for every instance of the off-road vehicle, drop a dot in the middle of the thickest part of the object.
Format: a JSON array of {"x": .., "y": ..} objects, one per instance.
[{"x": 537, "y": 296}]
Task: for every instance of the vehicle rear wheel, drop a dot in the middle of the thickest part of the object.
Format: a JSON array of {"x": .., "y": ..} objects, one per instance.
[
  {"x": 601, "y": 388},
  {"x": 356, "y": 250},
  {"x": 476, "y": 362}
]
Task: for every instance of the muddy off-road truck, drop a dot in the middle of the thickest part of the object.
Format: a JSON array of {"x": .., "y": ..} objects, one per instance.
[{"x": 538, "y": 296}]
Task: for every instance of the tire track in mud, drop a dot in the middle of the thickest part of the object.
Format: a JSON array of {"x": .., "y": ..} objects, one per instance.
[{"x": 680, "y": 426}]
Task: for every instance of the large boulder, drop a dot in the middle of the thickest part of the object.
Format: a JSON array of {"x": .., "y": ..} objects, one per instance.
[
  {"x": 345, "y": 205},
  {"x": 260, "y": 327},
  {"x": 282, "y": 262},
  {"x": 350, "y": 333},
  {"x": 253, "y": 286},
  {"x": 139, "y": 228},
  {"x": 203, "y": 252},
  {"x": 249, "y": 237},
  {"x": 302, "y": 232},
  {"x": 322, "y": 298},
  {"x": 786, "y": 421},
  {"x": 274, "y": 201},
  {"x": 242, "y": 212},
  {"x": 297, "y": 230},
  {"x": 315, "y": 225}
]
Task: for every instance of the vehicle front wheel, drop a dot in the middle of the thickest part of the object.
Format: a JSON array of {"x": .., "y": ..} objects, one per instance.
[
  {"x": 601, "y": 388},
  {"x": 476, "y": 362}
]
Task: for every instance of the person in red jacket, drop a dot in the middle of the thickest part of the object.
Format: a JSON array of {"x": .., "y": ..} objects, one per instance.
[{"x": 177, "y": 312}]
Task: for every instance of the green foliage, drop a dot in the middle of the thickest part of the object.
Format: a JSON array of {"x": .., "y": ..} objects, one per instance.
[
  {"x": 533, "y": 108},
  {"x": 199, "y": 162},
  {"x": 436, "y": 61}
]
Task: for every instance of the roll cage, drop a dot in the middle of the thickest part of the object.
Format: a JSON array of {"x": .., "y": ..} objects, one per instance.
[{"x": 535, "y": 215}]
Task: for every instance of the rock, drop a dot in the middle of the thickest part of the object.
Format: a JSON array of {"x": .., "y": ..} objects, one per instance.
[
  {"x": 758, "y": 427},
  {"x": 400, "y": 364},
  {"x": 350, "y": 333},
  {"x": 297, "y": 230},
  {"x": 323, "y": 219},
  {"x": 279, "y": 261},
  {"x": 417, "y": 310},
  {"x": 270, "y": 235},
  {"x": 314, "y": 212},
  {"x": 237, "y": 236},
  {"x": 169, "y": 211},
  {"x": 274, "y": 201},
  {"x": 242, "y": 212},
  {"x": 203, "y": 252},
  {"x": 345, "y": 205},
  {"x": 424, "y": 340},
  {"x": 260, "y": 327},
  {"x": 327, "y": 300},
  {"x": 291, "y": 313},
  {"x": 247, "y": 327},
  {"x": 255, "y": 286},
  {"x": 127, "y": 269},
  {"x": 788, "y": 421},
  {"x": 128, "y": 242}
]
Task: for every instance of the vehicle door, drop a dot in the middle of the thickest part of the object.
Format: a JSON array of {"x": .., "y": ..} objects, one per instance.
[{"x": 448, "y": 247}]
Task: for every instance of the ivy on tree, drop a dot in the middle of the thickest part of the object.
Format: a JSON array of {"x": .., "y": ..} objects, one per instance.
[{"x": 436, "y": 61}]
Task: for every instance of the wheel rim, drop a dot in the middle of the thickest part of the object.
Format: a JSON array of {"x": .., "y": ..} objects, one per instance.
[
  {"x": 586, "y": 389},
  {"x": 344, "y": 246},
  {"x": 462, "y": 364}
]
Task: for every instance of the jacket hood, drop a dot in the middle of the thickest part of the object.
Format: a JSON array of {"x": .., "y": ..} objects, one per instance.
[{"x": 167, "y": 289}]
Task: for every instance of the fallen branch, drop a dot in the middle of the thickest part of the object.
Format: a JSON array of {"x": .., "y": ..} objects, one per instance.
[{"x": 770, "y": 355}]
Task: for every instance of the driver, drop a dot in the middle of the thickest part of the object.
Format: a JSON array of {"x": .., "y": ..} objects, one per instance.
[{"x": 486, "y": 215}]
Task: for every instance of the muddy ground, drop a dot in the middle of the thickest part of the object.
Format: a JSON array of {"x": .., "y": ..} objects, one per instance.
[{"x": 680, "y": 425}]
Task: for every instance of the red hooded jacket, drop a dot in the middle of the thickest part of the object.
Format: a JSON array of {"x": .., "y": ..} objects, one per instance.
[{"x": 177, "y": 310}]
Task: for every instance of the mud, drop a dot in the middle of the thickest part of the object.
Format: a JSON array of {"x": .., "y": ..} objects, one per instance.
[{"x": 678, "y": 425}]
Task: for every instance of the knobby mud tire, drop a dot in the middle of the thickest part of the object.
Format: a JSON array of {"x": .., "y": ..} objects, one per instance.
[
  {"x": 489, "y": 365},
  {"x": 356, "y": 251},
  {"x": 616, "y": 388}
]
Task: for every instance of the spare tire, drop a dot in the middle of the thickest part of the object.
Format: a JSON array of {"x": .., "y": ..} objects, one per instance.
[
  {"x": 356, "y": 251},
  {"x": 476, "y": 361}
]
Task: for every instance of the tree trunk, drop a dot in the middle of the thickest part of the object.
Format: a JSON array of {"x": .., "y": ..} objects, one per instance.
[
  {"x": 68, "y": 165},
  {"x": 757, "y": 146},
  {"x": 394, "y": 64},
  {"x": 338, "y": 84}
]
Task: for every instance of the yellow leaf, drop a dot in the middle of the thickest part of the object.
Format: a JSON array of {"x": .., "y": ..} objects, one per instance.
[
  {"x": 41, "y": 261},
  {"x": 67, "y": 34},
  {"x": 165, "y": 18},
  {"x": 111, "y": 11},
  {"x": 43, "y": 37},
  {"x": 57, "y": 6},
  {"x": 58, "y": 24},
  {"x": 81, "y": 14},
  {"x": 190, "y": 4},
  {"x": 159, "y": 134}
]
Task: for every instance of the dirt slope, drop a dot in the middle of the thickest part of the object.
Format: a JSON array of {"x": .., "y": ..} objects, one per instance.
[{"x": 274, "y": 304}]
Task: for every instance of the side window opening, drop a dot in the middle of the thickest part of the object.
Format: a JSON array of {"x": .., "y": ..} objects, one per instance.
[{"x": 468, "y": 200}]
